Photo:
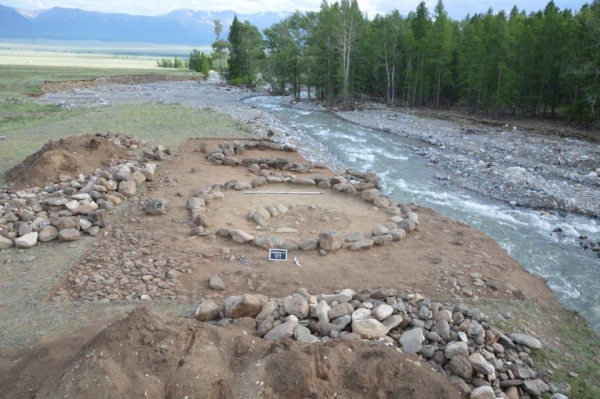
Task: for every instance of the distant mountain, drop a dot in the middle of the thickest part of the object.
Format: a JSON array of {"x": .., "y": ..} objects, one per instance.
[{"x": 178, "y": 27}]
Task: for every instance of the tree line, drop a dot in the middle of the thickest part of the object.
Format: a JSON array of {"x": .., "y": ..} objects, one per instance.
[{"x": 539, "y": 64}]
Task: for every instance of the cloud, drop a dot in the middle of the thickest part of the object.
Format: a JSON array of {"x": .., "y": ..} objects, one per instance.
[{"x": 457, "y": 9}]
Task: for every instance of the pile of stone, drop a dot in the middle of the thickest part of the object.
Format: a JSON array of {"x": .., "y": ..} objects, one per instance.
[
  {"x": 126, "y": 266},
  {"x": 70, "y": 207},
  {"x": 124, "y": 140},
  {"x": 457, "y": 341},
  {"x": 330, "y": 240}
]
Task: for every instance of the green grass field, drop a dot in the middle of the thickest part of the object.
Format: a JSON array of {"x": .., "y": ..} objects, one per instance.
[{"x": 28, "y": 125}]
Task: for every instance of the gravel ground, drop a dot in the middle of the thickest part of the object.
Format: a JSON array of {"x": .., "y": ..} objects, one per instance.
[{"x": 523, "y": 169}]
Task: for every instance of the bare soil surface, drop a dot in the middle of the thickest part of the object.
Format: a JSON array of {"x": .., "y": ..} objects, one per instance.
[
  {"x": 144, "y": 355},
  {"x": 436, "y": 259},
  {"x": 71, "y": 156}
]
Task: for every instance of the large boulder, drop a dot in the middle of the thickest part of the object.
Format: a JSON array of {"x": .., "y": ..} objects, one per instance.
[
  {"x": 207, "y": 310},
  {"x": 331, "y": 240},
  {"x": 247, "y": 305}
]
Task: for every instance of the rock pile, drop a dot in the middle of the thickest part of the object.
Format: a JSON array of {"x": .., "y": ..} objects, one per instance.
[
  {"x": 72, "y": 206},
  {"x": 394, "y": 230},
  {"x": 456, "y": 341}
]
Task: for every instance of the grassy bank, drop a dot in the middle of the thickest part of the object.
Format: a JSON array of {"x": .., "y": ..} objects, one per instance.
[{"x": 28, "y": 125}]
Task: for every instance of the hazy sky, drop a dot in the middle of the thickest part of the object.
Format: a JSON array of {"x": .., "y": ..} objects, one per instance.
[{"x": 456, "y": 8}]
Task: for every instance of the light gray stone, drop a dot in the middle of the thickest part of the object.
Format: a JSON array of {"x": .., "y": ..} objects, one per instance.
[
  {"x": 456, "y": 349},
  {"x": 68, "y": 235},
  {"x": 323, "y": 311},
  {"x": 526, "y": 340},
  {"x": 412, "y": 341},
  {"x": 480, "y": 364},
  {"x": 308, "y": 244},
  {"x": 157, "y": 206},
  {"x": 361, "y": 244},
  {"x": 382, "y": 312},
  {"x": 461, "y": 366},
  {"x": 483, "y": 392},
  {"x": 216, "y": 283},
  {"x": 127, "y": 188},
  {"x": 296, "y": 305},
  {"x": 5, "y": 243},
  {"x": 369, "y": 195},
  {"x": 369, "y": 328},
  {"x": 283, "y": 330},
  {"x": 27, "y": 241},
  {"x": 241, "y": 236}
]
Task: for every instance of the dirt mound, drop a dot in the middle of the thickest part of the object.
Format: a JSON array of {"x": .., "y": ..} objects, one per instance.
[
  {"x": 69, "y": 156},
  {"x": 145, "y": 356}
]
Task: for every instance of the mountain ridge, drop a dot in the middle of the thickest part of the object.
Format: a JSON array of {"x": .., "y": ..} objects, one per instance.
[{"x": 183, "y": 26}]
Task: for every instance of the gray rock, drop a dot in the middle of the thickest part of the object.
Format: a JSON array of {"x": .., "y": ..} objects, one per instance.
[
  {"x": 398, "y": 234},
  {"x": 5, "y": 243},
  {"x": 296, "y": 305},
  {"x": 392, "y": 322},
  {"x": 195, "y": 203},
  {"x": 241, "y": 236},
  {"x": 369, "y": 329},
  {"x": 308, "y": 244},
  {"x": 407, "y": 225},
  {"x": 480, "y": 364},
  {"x": 381, "y": 202},
  {"x": 379, "y": 230},
  {"x": 127, "y": 188},
  {"x": 382, "y": 312},
  {"x": 531, "y": 387},
  {"x": 323, "y": 311},
  {"x": 283, "y": 330},
  {"x": 442, "y": 328},
  {"x": 361, "y": 314},
  {"x": 157, "y": 206},
  {"x": 342, "y": 322},
  {"x": 353, "y": 237},
  {"x": 339, "y": 311},
  {"x": 242, "y": 186},
  {"x": 68, "y": 235},
  {"x": 369, "y": 195},
  {"x": 208, "y": 310},
  {"x": 216, "y": 283},
  {"x": 361, "y": 244},
  {"x": 325, "y": 329},
  {"x": 483, "y": 392},
  {"x": 309, "y": 339},
  {"x": 522, "y": 372},
  {"x": 526, "y": 340},
  {"x": 412, "y": 341},
  {"x": 559, "y": 396},
  {"x": 247, "y": 305},
  {"x": 386, "y": 239},
  {"x": 456, "y": 349},
  {"x": 461, "y": 366},
  {"x": 300, "y": 331},
  {"x": 27, "y": 241},
  {"x": 330, "y": 240}
]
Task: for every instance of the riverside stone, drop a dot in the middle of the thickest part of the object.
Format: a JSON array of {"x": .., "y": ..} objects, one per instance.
[
  {"x": 68, "y": 235},
  {"x": 361, "y": 244},
  {"x": 480, "y": 364},
  {"x": 456, "y": 349},
  {"x": 127, "y": 188},
  {"x": 5, "y": 243},
  {"x": 248, "y": 305},
  {"x": 157, "y": 206},
  {"x": 461, "y": 366},
  {"x": 369, "y": 329},
  {"x": 382, "y": 312},
  {"x": 283, "y": 330},
  {"x": 526, "y": 340},
  {"x": 483, "y": 392},
  {"x": 296, "y": 305},
  {"x": 331, "y": 240},
  {"x": 308, "y": 244},
  {"x": 216, "y": 283},
  {"x": 412, "y": 340},
  {"x": 241, "y": 236},
  {"x": 27, "y": 241},
  {"x": 369, "y": 195},
  {"x": 207, "y": 310}
]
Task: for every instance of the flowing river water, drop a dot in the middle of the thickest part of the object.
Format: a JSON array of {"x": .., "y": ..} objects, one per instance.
[{"x": 527, "y": 235}]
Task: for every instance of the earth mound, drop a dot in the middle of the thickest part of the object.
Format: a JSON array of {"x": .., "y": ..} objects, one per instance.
[
  {"x": 69, "y": 156},
  {"x": 143, "y": 355}
]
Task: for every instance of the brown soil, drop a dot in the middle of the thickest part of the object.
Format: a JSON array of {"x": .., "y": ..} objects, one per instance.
[
  {"x": 54, "y": 87},
  {"x": 437, "y": 250},
  {"x": 70, "y": 156},
  {"x": 143, "y": 355}
]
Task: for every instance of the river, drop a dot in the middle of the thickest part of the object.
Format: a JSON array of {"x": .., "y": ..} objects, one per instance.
[{"x": 527, "y": 235}]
